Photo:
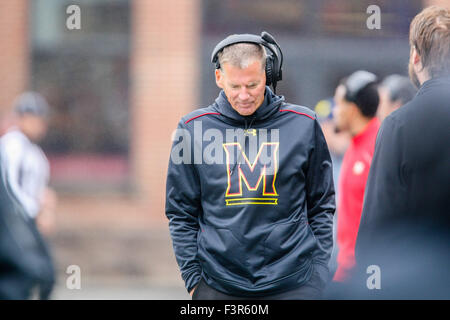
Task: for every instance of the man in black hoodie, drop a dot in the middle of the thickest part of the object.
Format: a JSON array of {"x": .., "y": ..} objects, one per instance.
[
  {"x": 405, "y": 223},
  {"x": 250, "y": 197}
]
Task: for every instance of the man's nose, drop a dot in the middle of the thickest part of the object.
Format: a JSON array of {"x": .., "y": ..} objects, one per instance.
[{"x": 243, "y": 94}]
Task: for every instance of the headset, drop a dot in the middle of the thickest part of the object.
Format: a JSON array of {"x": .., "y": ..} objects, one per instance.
[
  {"x": 356, "y": 82},
  {"x": 274, "y": 60}
]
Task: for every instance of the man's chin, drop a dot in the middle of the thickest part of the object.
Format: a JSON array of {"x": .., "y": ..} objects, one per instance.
[{"x": 243, "y": 111}]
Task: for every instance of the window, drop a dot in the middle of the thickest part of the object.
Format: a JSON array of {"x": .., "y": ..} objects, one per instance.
[{"x": 84, "y": 75}]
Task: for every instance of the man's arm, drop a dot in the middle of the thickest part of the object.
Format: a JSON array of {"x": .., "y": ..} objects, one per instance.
[
  {"x": 183, "y": 207},
  {"x": 320, "y": 197},
  {"x": 46, "y": 217},
  {"x": 37, "y": 181}
]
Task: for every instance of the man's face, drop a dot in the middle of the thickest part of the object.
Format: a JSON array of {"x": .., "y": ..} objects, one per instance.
[
  {"x": 244, "y": 88},
  {"x": 33, "y": 127},
  {"x": 343, "y": 111}
]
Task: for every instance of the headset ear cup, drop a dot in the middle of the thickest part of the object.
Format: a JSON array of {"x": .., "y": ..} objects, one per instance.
[{"x": 269, "y": 71}]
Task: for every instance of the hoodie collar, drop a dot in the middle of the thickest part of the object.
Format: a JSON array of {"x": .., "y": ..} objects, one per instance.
[{"x": 268, "y": 108}]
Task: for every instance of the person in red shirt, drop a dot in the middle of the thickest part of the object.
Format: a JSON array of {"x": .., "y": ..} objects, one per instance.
[{"x": 356, "y": 101}]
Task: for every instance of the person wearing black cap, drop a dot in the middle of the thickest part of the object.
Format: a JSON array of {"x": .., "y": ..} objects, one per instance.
[
  {"x": 253, "y": 219},
  {"x": 27, "y": 166},
  {"x": 356, "y": 101},
  {"x": 395, "y": 90}
]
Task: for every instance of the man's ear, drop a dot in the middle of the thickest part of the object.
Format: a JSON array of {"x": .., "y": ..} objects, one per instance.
[
  {"x": 219, "y": 78},
  {"x": 415, "y": 57}
]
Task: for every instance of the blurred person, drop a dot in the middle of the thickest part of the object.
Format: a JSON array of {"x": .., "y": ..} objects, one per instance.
[
  {"x": 243, "y": 229},
  {"x": 26, "y": 269},
  {"x": 356, "y": 105},
  {"x": 394, "y": 91},
  {"x": 25, "y": 171},
  {"x": 405, "y": 225},
  {"x": 27, "y": 166}
]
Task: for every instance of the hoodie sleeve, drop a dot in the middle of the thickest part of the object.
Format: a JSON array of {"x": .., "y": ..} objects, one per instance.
[
  {"x": 320, "y": 197},
  {"x": 183, "y": 206}
]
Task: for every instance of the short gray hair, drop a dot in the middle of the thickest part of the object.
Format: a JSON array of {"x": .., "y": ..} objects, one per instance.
[
  {"x": 241, "y": 55},
  {"x": 31, "y": 103}
]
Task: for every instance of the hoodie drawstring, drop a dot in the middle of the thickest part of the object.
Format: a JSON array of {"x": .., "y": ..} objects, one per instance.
[{"x": 245, "y": 143}]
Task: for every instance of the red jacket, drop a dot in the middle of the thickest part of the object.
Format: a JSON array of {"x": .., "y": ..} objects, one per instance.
[{"x": 352, "y": 183}]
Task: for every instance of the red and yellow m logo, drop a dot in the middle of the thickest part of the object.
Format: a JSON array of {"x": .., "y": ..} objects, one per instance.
[{"x": 252, "y": 174}]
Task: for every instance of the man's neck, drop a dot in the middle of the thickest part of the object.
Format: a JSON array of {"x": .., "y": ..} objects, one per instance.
[
  {"x": 423, "y": 76},
  {"x": 359, "y": 125}
]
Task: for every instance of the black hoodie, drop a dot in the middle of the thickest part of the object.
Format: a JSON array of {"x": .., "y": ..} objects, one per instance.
[
  {"x": 405, "y": 222},
  {"x": 250, "y": 206}
]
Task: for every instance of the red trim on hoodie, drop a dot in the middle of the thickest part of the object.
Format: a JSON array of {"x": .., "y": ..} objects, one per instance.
[
  {"x": 301, "y": 113},
  {"x": 203, "y": 114}
]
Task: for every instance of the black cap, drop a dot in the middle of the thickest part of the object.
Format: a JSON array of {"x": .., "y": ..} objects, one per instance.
[{"x": 358, "y": 81}]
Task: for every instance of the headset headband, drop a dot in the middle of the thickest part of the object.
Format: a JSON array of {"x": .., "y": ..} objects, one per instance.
[{"x": 274, "y": 60}]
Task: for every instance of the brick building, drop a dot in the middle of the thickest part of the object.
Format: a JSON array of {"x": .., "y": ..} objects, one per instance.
[{"x": 160, "y": 92}]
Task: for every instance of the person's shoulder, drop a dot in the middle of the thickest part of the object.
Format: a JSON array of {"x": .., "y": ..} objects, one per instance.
[
  {"x": 396, "y": 126},
  {"x": 406, "y": 109},
  {"x": 38, "y": 153},
  {"x": 13, "y": 140},
  {"x": 199, "y": 113},
  {"x": 400, "y": 115},
  {"x": 298, "y": 110},
  {"x": 13, "y": 134},
  {"x": 417, "y": 111}
]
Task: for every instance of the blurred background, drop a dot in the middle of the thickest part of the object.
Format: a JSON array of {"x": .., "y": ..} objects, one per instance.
[{"x": 118, "y": 87}]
